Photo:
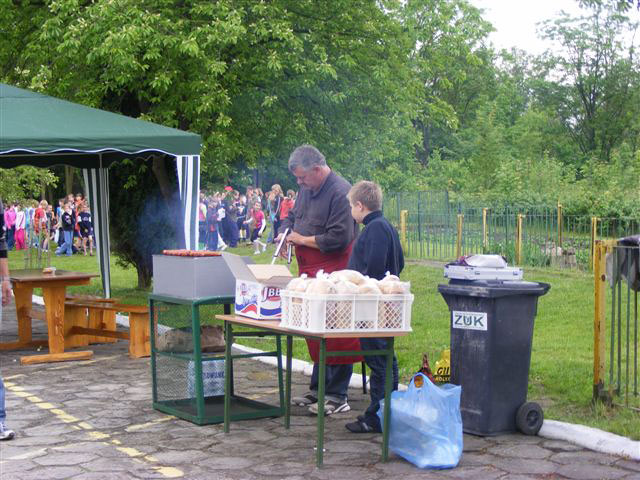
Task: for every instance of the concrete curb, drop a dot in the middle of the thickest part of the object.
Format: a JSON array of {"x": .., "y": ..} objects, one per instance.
[{"x": 581, "y": 435}]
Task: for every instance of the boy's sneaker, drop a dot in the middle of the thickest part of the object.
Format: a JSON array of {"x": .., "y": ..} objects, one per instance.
[
  {"x": 331, "y": 407},
  {"x": 223, "y": 248},
  {"x": 5, "y": 433},
  {"x": 264, "y": 247},
  {"x": 257, "y": 252},
  {"x": 305, "y": 400}
]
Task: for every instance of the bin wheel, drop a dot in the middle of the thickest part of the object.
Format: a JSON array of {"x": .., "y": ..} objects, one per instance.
[{"x": 529, "y": 418}]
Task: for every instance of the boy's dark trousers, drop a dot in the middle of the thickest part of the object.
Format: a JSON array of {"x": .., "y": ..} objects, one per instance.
[
  {"x": 377, "y": 364},
  {"x": 233, "y": 234},
  {"x": 11, "y": 242},
  {"x": 212, "y": 240}
]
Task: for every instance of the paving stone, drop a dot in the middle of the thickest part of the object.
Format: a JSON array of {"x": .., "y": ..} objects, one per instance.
[
  {"x": 51, "y": 473},
  {"x": 472, "y": 443},
  {"x": 176, "y": 457},
  {"x": 584, "y": 456},
  {"x": 333, "y": 473},
  {"x": 282, "y": 469},
  {"x": 628, "y": 464},
  {"x": 60, "y": 459},
  {"x": 14, "y": 466},
  {"x": 221, "y": 462},
  {"x": 473, "y": 473},
  {"x": 583, "y": 471},
  {"x": 104, "y": 476},
  {"x": 526, "y": 466},
  {"x": 109, "y": 465},
  {"x": 561, "y": 446},
  {"x": 520, "y": 451}
]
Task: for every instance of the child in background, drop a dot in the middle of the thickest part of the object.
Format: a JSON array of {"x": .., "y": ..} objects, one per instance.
[
  {"x": 241, "y": 205},
  {"x": 66, "y": 224},
  {"x": 86, "y": 228},
  {"x": 41, "y": 225},
  {"x": 376, "y": 251},
  {"x": 21, "y": 223},
  {"x": 257, "y": 218}
]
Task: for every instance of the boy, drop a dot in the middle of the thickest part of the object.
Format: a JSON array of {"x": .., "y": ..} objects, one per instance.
[
  {"x": 376, "y": 251},
  {"x": 66, "y": 223},
  {"x": 86, "y": 228}
]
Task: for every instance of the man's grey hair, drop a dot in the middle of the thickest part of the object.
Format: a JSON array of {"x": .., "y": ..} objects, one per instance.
[{"x": 306, "y": 157}]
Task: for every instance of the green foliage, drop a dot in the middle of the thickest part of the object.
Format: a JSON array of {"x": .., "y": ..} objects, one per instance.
[{"x": 23, "y": 183}]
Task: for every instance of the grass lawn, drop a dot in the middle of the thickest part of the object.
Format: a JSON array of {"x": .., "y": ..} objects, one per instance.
[{"x": 561, "y": 364}]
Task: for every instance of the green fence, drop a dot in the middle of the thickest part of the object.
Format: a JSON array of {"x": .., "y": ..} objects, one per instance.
[{"x": 433, "y": 227}]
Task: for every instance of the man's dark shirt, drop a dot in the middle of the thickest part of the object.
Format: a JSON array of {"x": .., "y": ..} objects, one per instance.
[
  {"x": 378, "y": 249},
  {"x": 325, "y": 214}
]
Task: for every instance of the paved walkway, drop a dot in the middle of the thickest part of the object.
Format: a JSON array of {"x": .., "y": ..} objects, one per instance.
[{"x": 93, "y": 420}]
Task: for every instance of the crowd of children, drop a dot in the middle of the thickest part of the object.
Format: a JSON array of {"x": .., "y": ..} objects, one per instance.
[
  {"x": 33, "y": 223},
  {"x": 229, "y": 218}
]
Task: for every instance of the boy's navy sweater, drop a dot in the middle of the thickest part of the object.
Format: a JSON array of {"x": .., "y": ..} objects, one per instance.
[{"x": 377, "y": 249}]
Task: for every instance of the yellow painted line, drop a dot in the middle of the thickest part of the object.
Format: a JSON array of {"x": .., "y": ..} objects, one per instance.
[
  {"x": 26, "y": 455},
  {"x": 132, "y": 452},
  {"x": 18, "y": 375},
  {"x": 140, "y": 426},
  {"x": 62, "y": 367},
  {"x": 98, "y": 435},
  {"x": 135, "y": 454},
  {"x": 169, "y": 472}
]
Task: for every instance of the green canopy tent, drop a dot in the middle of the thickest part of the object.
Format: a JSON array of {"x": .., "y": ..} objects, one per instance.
[{"x": 40, "y": 130}]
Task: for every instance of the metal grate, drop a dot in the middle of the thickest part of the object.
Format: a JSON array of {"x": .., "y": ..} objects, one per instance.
[{"x": 172, "y": 378}]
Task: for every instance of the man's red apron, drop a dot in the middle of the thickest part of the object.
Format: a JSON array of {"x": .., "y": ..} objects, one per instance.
[{"x": 310, "y": 260}]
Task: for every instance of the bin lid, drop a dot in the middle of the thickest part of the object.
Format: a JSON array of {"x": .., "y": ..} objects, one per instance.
[{"x": 493, "y": 288}]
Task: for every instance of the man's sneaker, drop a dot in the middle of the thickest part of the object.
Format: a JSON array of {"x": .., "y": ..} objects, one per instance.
[
  {"x": 5, "y": 433},
  {"x": 305, "y": 400},
  {"x": 361, "y": 426},
  {"x": 331, "y": 407}
]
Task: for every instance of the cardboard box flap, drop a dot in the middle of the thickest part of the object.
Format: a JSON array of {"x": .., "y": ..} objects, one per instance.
[
  {"x": 266, "y": 272},
  {"x": 278, "y": 281},
  {"x": 238, "y": 267}
]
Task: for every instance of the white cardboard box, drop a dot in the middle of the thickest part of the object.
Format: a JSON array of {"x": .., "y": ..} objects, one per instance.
[{"x": 258, "y": 290}]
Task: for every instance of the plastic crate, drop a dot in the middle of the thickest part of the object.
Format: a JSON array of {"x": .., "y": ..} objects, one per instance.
[{"x": 346, "y": 313}]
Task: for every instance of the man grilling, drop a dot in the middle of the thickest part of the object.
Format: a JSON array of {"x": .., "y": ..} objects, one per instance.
[{"x": 323, "y": 231}]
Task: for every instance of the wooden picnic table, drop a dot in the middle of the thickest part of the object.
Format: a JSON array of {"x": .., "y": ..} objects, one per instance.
[
  {"x": 273, "y": 326},
  {"x": 54, "y": 286}
]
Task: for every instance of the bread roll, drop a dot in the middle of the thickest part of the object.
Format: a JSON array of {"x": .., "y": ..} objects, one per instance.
[
  {"x": 369, "y": 286},
  {"x": 346, "y": 287},
  {"x": 390, "y": 278},
  {"x": 320, "y": 286}
]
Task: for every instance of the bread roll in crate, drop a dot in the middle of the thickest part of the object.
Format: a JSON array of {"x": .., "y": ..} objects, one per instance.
[{"x": 346, "y": 301}]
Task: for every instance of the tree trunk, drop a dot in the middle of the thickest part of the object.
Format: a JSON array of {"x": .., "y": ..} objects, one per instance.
[
  {"x": 68, "y": 179},
  {"x": 144, "y": 277}
]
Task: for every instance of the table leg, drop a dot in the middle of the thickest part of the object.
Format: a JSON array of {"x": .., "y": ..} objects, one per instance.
[
  {"x": 387, "y": 400},
  {"x": 287, "y": 395},
  {"x": 280, "y": 380},
  {"x": 228, "y": 335},
  {"x": 54, "y": 310},
  {"x": 23, "y": 307},
  {"x": 322, "y": 370}
]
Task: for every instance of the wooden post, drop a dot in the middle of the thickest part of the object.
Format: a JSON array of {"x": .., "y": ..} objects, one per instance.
[
  {"x": 560, "y": 226},
  {"x": 74, "y": 316},
  {"x": 519, "y": 239},
  {"x": 485, "y": 232},
  {"x": 459, "y": 239},
  {"x": 599, "y": 319},
  {"x": 594, "y": 236}
]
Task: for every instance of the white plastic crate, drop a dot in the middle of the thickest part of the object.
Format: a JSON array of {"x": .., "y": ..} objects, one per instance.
[{"x": 346, "y": 313}]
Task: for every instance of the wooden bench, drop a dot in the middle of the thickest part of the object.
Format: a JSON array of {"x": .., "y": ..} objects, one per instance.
[{"x": 89, "y": 321}]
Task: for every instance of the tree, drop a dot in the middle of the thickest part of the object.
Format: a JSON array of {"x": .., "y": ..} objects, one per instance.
[
  {"x": 21, "y": 183},
  {"x": 594, "y": 83}
]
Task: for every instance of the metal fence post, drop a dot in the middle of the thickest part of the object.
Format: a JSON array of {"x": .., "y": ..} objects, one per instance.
[
  {"x": 594, "y": 236},
  {"x": 519, "y": 240},
  {"x": 459, "y": 239},
  {"x": 403, "y": 229},
  {"x": 485, "y": 233},
  {"x": 560, "y": 226}
]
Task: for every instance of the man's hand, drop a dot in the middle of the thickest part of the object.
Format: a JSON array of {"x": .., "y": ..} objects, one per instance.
[
  {"x": 296, "y": 239},
  {"x": 6, "y": 292}
]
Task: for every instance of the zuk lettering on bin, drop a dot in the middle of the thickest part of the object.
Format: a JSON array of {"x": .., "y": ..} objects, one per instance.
[{"x": 469, "y": 320}]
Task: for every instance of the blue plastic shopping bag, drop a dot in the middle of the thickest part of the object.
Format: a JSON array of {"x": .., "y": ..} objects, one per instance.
[{"x": 426, "y": 426}]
